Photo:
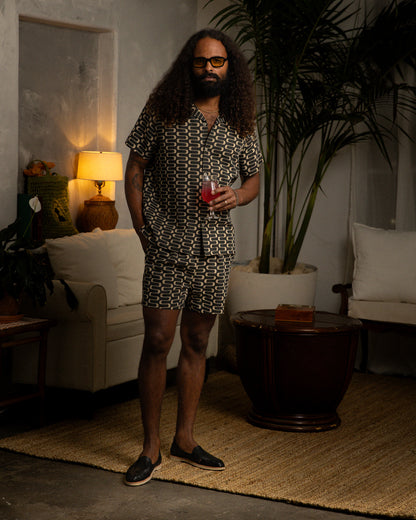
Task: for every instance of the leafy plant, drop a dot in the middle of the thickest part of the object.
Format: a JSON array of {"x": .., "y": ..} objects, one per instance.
[
  {"x": 327, "y": 76},
  {"x": 23, "y": 271}
]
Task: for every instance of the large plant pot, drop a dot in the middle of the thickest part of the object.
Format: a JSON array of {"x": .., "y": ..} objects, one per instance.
[{"x": 248, "y": 291}]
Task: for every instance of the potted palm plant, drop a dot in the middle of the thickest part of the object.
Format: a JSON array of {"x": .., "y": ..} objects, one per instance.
[{"x": 327, "y": 76}]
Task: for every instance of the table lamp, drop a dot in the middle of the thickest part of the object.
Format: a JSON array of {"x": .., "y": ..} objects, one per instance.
[{"x": 99, "y": 211}]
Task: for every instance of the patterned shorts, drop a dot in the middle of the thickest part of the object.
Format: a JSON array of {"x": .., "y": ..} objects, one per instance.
[{"x": 177, "y": 281}]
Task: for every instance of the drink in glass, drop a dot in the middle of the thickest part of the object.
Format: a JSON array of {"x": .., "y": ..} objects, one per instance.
[{"x": 208, "y": 186}]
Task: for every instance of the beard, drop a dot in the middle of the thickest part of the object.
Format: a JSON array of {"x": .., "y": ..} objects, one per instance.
[{"x": 207, "y": 89}]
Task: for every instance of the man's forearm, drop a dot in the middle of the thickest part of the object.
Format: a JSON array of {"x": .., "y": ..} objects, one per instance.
[
  {"x": 133, "y": 186},
  {"x": 248, "y": 191}
]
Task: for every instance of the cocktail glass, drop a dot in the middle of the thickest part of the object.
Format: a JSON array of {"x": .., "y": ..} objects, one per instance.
[{"x": 208, "y": 186}]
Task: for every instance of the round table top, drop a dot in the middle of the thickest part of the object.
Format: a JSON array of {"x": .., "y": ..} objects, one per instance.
[{"x": 323, "y": 322}]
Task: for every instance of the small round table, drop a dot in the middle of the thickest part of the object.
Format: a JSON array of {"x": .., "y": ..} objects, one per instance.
[{"x": 295, "y": 373}]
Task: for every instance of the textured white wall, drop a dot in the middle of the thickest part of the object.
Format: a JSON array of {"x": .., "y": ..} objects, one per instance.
[
  {"x": 8, "y": 110},
  {"x": 59, "y": 94}
]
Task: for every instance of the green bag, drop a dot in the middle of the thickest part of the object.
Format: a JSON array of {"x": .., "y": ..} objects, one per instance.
[{"x": 52, "y": 191}]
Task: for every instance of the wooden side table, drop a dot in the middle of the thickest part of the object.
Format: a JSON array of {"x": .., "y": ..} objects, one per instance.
[
  {"x": 295, "y": 374},
  {"x": 22, "y": 332}
]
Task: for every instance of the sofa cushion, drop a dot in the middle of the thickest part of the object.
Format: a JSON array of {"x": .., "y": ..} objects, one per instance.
[
  {"x": 385, "y": 264},
  {"x": 391, "y": 312},
  {"x": 124, "y": 322},
  {"x": 84, "y": 258},
  {"x": 127, "y": 258}
]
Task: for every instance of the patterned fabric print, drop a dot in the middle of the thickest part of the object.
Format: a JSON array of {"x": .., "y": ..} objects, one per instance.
[
  {"x": 175, "y": 281},
  {"x": 179, "y": 155}
]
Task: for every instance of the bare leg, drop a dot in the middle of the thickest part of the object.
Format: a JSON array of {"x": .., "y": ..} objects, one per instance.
[
  {"x": 159, "y": 332},
  {"x": 195, "y": 329}
]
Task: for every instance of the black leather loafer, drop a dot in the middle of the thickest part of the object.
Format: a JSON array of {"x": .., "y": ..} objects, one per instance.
[
  {"x": 141, "y": 471},
  {"x": 198, "y": 458}
]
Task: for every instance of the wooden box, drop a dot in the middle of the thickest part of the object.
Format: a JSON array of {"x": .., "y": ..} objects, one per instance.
[{"x": 300, "y": 313}]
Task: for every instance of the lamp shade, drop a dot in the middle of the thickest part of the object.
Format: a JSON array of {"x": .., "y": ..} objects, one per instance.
[{"x": 100, "y": 166}]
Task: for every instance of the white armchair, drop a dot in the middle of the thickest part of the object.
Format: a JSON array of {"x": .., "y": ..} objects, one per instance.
[{"x": 384, "y": 282}]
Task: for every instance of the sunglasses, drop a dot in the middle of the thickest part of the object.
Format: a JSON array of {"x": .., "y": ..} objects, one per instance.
[{"x": 216, "y": 62}]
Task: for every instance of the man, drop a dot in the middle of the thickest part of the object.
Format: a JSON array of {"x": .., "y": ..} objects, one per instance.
[{"x": 199, "y": 120}]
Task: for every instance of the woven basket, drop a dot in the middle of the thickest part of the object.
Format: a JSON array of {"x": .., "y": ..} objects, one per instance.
[{"x": 52, "y": 191}]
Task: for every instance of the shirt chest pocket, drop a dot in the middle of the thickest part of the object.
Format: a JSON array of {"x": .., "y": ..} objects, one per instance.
[{"x": 225, "y": 158}]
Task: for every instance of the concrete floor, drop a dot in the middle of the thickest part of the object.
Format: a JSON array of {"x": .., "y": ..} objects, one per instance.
[{"x": 38, "y": 489}]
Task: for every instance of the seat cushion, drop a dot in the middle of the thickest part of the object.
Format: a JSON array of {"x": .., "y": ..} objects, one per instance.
[
  {"x": 125, "y": 322},
  {"x": 392, "y": 312}
]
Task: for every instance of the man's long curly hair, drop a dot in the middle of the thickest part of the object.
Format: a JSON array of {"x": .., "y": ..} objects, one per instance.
[{"x": 172, "y": 98}]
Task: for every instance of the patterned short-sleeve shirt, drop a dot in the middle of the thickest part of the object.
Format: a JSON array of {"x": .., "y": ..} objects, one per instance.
[{"x": 179, "y": 155}]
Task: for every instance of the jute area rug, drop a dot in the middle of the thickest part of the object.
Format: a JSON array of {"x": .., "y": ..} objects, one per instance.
[{"x": 366, "y": 466}]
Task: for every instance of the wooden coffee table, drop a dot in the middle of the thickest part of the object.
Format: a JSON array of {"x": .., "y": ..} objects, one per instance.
[{"x": 295, "y": 374}]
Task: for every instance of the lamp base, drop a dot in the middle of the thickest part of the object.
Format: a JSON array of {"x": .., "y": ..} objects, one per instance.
[{"x": 99, "y": 211}]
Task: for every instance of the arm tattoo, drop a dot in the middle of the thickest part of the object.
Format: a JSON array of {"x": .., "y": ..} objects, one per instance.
[{"x": 136, "y": 182}]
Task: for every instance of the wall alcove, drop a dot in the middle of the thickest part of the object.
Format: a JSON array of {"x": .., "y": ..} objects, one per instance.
[{"x": 66, "y": 96}]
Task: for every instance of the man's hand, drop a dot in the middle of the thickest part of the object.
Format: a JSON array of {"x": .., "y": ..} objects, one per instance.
[{"x": 230, "y": 198}]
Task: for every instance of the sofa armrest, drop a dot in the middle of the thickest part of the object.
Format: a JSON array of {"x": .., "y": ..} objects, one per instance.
[
  {"x": 92, "y": 303},
  {"x": 77, "y": 344}
]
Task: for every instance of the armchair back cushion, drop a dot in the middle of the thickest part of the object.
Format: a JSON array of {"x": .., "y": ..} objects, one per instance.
[
  {"x": 127, "y": 259},
  {"x": 85, "y": 258},
  {"x": 113, "y": 259},
  {"x": 385, "y": 264}
]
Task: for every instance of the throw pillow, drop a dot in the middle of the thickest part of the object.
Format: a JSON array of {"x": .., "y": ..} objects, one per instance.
[
  {"x": 84, "y": 258},
  {"x": 127, "y": 258},
  {"x": 385, "y": 264}
]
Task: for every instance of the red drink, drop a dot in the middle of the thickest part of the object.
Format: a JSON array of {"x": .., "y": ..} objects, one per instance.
[{"x": 207, "y": 187}]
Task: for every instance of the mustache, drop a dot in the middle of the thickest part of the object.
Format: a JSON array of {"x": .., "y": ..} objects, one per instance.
[{"x": 208, "y": 75}]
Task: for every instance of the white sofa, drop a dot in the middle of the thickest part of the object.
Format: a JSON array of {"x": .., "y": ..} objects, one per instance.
[
  {"x": 384, "y": 282},
  {"x": 98, "y": 345}
]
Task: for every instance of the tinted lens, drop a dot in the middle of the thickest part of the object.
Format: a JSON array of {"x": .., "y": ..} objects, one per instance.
[
  {"x": 217, "y": 61},
  {"x": 199, "y": 62}
]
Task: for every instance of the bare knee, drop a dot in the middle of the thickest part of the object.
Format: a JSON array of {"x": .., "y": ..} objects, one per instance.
[
  {"x": 195, "y": 330},
  {"x": 160, "y": 328},
  {"x": 195, "y": 342},
  {"x": 157, "y": 343}
]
